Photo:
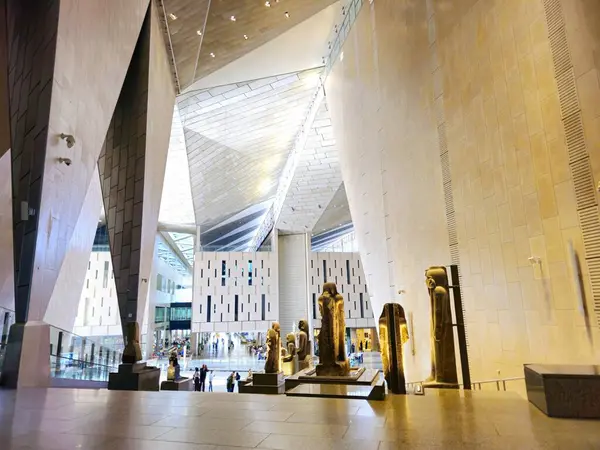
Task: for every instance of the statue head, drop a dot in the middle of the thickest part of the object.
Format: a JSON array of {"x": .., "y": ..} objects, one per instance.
[
  {"x": 275, "y": 326},
  {"x": 303, "y": 326},
  {"x": 291, "y": 338},
  {"x": 331, "y": 289}
]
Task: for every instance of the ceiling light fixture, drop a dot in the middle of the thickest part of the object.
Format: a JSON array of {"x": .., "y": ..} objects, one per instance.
[
  {"x": 342, "y": 56},
  {"x": 246, "y": 36},
  {"x": 199, "y": 33},
  {"x": 232, "y": 18},
  {"x": 173, "y": 16},
  {"x": 212, "y": 54},
  {"x": 268, "y": 4},
  {"x": 287, "y": 15}
]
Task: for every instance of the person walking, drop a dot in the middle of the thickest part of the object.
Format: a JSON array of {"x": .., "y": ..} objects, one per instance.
[
  {"x": 197, "y": 380},
  {"x": 230, "y": 382},
  {"x": 211, "y": 377}
]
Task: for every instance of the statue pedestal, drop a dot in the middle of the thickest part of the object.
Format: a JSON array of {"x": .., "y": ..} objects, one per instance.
[
  {"x": 264, "y": 383},
  {"x": 182, "y": 384},
  {"x": 305, "y": 363},
  {"x": 290, "y": 367},
  {"x": 134, "y": 377},
  {"x": 336, "y": 369}
]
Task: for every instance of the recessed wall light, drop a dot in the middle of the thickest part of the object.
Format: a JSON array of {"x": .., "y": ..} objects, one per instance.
[
  {"x": 173, "y": 16},
  {"x": 232, "y": 18},
  {"x": 199, "y": 33},
  {"x": 246, "y": 36},
  {"x": 268, "y": 4},
  {"x": 212, "y": 55},
  {"x": 287, "y": 15}
]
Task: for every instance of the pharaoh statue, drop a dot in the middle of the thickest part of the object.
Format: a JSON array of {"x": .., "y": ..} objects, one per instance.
[
  {"x": 290, "y": 347},
  {"x": 393, "y": 333},
  {"x": 332, "y": 342},
  {"x": 173, "y": 372},
  {"x": 132, "y": 352},
  {"x": 443, "y": 359},
  {"x": 273, "y": 364},
  {"x": 304, "y": 353}
]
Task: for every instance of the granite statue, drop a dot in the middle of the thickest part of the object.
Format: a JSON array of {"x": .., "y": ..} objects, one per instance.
[
  {"x": 290, "y": 345},
  {"x": 332, "y": 338},
  {"x": 174, "y": 370},
  {"x": 393, "y": 333},
  {"x": 443, "y": 359},
  {"x": 303, "y": 341},
  {"x": 273, "y": 363},
  {"x": 132, "y": 352}
]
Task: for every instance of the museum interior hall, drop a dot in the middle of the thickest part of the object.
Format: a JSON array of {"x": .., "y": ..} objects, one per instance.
[{"x": 334, "y": 224}]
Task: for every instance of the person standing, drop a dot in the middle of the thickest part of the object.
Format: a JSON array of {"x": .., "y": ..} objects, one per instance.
[
  {"x": 197, "y": 376},
  {"x": 203, "y": 372},
  {"x": 211, "y": 377},
  {"x": 237, "y": 380},
  {"x": 230, "y": 382}
]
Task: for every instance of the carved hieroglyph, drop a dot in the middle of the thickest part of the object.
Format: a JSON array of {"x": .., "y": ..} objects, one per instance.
[
  {"x": 443, "y": 359},
  {"x": 332, "y": 342}
]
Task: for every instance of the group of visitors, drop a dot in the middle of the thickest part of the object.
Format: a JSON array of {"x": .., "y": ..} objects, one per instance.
[
  {"x": 231, "y": 381},
  {"x": 200, "y": 376}
]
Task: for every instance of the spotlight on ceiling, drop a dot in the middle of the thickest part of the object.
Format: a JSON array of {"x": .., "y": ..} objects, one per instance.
[
  {"x": 199, "y": 33},
  {"x": 212, "y": 55},
  {"x": 232, "y": 18},
  {"x": 246, "y": 36},
  {"x": 173, "y": 16},
  {"x": 287, "y": 15},
  {"x": 268, "y": 4}
]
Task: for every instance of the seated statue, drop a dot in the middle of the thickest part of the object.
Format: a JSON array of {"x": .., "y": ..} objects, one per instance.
[
  {"x": 174, "y": 370},
  {"x": 290, "y": 347},
  {"x": 304, "y": 347}
]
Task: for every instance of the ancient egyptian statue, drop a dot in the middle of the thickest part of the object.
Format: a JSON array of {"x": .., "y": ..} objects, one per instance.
[
  {"x": 273, "y": 363},
  {"x": 332, "y": 342},
  {"x": 132, "y": 352},
  {"x": 393, "y": 333},
  {"x": 173, "y": 371},
  {"x": 290, "y": 347},
  {"x": 443, "y": 360},
  {"x": 303, "y": 341}
]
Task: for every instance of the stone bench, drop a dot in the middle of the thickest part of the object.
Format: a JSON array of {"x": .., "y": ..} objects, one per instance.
[
  {"x": 568, "y": 391},
  {"x": 183, "y": 384}
]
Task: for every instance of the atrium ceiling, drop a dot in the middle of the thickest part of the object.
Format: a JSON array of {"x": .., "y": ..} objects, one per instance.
[{"x": 252, "y": 143}]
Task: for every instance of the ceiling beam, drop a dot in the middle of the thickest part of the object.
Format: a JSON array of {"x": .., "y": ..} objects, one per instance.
[{"x": 169, "y": 241}]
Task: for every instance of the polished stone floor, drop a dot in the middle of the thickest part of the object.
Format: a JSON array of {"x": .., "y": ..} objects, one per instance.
[{"x": 90, "y": 419}]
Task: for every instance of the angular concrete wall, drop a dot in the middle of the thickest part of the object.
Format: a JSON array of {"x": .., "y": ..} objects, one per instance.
[
  {"x": 7, "y": 281},
  {"x": 462, "y": 117}
]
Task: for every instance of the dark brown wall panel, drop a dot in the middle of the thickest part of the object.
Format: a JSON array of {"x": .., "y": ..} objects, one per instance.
[{"x": 121, "y": 166}]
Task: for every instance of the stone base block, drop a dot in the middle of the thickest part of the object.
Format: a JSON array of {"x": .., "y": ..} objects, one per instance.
[
  {"x": 134, "y": 377},
  {"x": 264, "y": 383},
  {"x": 568, "y": 391},
  {"x": 267, "y": 379},
  {"x": 183, "y": 384}
]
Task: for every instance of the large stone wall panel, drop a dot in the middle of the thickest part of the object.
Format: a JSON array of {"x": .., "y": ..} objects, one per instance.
[{"x": 95, "y": 41}]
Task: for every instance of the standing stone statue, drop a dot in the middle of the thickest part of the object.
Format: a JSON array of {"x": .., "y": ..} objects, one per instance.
[
  {"x": 332, "y": 338},
  {"x": 132, "y": 352},
  {"x": 174, "y": 370},
  {"x": 393, "y": 333},
  {"x": 443, "y": 359},
  {"x": 273, "y": 363}
]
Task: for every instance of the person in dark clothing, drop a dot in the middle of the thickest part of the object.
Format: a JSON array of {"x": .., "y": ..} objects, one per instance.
[
  {"x": 197, "y": 380},
  {"x": 237, "y": 379},
  {"x": 203, "y": 372},
  {"x": 231, "y": 382}
]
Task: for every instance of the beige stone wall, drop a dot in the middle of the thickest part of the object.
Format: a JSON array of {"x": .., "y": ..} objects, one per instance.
[
  {"x": 484, "y": 71},
  {"x": 7, "y": 284}
]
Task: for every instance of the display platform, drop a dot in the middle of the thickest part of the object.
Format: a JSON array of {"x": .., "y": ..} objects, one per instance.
[
  {"x": 567, "y": 391},
  {"x": 263, "y": 383},
  {"x": 337, "y": 391},
  {"x": 183, "y": 384},
  {"x": 361, "y": 383},
  {"x": 134, "y": 377}
]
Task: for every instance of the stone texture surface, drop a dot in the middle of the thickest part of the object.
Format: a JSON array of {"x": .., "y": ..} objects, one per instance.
[
  {"x": 480, "y": 80},
  {"x": 7, "y": 285}
]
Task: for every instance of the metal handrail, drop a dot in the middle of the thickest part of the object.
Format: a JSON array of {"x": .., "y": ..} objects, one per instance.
[{"x": 498, "y": 381}]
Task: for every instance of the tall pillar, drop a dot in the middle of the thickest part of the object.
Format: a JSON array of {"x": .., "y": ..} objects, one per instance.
[
  {"x": 134, "y": 151},
  {"x": 293, "y": 280},
  {"x": 53, "y": 47}
]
